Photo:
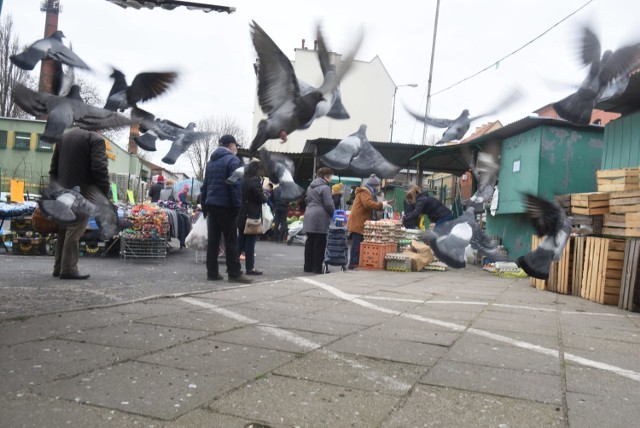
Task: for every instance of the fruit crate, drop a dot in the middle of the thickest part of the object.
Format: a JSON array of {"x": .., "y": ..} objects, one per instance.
[
  {"x": 372, "y": 255},
  {"x": 143, "y": 248},
  {"x": 397, "y": 262}
]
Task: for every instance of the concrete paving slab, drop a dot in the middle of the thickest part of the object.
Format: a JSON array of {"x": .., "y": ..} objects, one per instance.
[
  {"x": 143, "y": 389},
  {"x": 487, "y": 352},
  {"x": 432, "y": 406},
  {"x": 330, "y": 327},
  {"x": 137, "y": 336},
  {"x": 31, "y": 411},
  {"x": 204, "y": 320},
  {"x": 28, "y": 364},
  {"x": 402, "y": 328},
  {"x": 597, "y": 411},
  {"x": 220, "y": 358},
  {"x": 262, "y": 337},
  {"x": 253, "y": 292},
  {"x": 614, "y": 352},
  {"x": 207, "y": 418},
  {"x": 297, "y": 402},
  {"x": 354, "y": 372},
  {"x": 152, "y": 307},
  {"x": 351, "y": 313},
  {"x": 614, "y": 328},
  {"x": 544, "y": 325},
  {"x": 591, "y": 381},
  {"x": 527, "y": 385},
  {"x": 402, "y": 351},
  {"x": 450, "y": 313}
]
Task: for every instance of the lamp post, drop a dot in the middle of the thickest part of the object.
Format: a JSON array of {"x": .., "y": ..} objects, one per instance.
[{"x": 393, "y": 110}]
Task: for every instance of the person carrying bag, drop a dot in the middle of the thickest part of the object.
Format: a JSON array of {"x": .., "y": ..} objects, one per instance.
[{"x": 250, "y": 216}]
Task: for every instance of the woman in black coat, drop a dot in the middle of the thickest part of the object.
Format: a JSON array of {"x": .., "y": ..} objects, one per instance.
[
  {"x": 427, "y": 205},
  {"x": 252, "y": 199}
]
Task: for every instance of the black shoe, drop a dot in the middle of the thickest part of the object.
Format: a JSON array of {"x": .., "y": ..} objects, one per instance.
[
  {"x": 254, "y": 272},
  {"x": 74, "y": 276},
  {"x": 217, "y": 277},
  {"x": 241, "y": 279},
  {"x": 56, "y": 274}
]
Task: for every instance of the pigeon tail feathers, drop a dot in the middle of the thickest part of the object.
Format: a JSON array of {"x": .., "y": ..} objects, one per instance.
[{"x": 536, "y": 263}]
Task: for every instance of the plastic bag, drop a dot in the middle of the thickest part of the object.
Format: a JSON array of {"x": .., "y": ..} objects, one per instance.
[
  {"x": 267, "y": 217},
  {"x": 197, "y": 238}
]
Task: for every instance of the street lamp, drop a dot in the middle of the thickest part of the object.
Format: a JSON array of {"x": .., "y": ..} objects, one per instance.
[{"x": 393, "y": 111}]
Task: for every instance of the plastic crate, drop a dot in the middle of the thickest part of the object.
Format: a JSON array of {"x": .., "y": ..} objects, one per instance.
[
  {"x": 21, "y": 225},
  {"x": 29, "y": 246},
  {"x": 92, "y": 249},
  {"x": 372, "y": 255},
  {"x": 397, "y": 262},
  {"x": 143, "y": 248}
]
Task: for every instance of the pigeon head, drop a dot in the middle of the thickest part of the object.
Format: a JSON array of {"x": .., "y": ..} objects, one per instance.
[
  {"x": 465, "y": 112},
  {"x": 117, "y": 74},
  {"x": 57, "y": 35}
]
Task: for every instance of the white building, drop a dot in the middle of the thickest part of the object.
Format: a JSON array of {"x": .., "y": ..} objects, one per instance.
[{"x": 367, "y": 94}]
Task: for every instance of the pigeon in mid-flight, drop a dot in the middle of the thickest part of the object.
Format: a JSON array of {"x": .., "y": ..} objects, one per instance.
[
  {"x": 238, "y": 173},
  {"x": 355, "y": 152},
  {"x": 485, "y": 169},
  {"x": 279, "y": 92},
  {"x": 608, "y": 76},
  {"x": 280, "y": 170},
  {"x": 549, "y": 220},
  {"x": 48, "y": 48},
  {"x": 331, "y": 106},
  {"x": 143, "y": 87},
  {"x": 456, "y": 128},
  {"x": 450, "y": 240},
  {"x": 63, "y": 112},
  {"x": 154, "y": 128}
]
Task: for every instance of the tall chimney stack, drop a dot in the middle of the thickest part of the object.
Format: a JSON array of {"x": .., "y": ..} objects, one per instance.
[{"x": 48, "y": 67}]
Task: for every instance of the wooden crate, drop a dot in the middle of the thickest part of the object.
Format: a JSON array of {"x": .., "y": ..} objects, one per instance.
[
  {"x": 564, "y": 201},
  {"x": 624, "y": 202},
  {"x": 630, "y": 284},
  {"x": 539, "y": 284},
  {"x": 578, "y": 245},
  {"x": 602, "y": 270},
  {"x": 592, "y": 203},
  {"x": 587, "y": 224},
  {"x": 614, "y": 180},
  {"x": 625, "y": 225},
  {"x": 560, "y": 272}
]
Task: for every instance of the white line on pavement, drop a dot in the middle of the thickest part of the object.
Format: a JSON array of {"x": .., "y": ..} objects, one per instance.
[{"x": 630, "y": 374}]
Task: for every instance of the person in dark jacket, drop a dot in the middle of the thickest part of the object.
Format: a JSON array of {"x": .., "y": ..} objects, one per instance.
[
  {"x": 220, "y": 205},
  {"x": 156, "y": 188},
  {"x": 429, "y": 206},
  {"x": 410, "y": 206},
  {"x": 79, "y": 159},
  {"x": 336, "y": 194},
  {"x": 252, "y": 199},
  {"x": 317, "y": 217},
  {"x": 281, "y": 211}
]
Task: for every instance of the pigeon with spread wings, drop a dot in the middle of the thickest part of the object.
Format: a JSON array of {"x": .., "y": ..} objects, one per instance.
[
  {"x": 280, "y": 170},
  {"x": 549, "y": 220},
  {"x": 279, "y": 92},
  {"x": 48, "y": 48},
  {"x": 608, "y": 76},
  {"x": 485, "y": 169},
  {"x": 143, "y": 87},
  {"x": 63, "y": 112},
  {"x": 456, "y": 128}
]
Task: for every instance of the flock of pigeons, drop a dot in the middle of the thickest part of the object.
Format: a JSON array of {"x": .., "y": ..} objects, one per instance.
[{"x": 291, "y": 104}]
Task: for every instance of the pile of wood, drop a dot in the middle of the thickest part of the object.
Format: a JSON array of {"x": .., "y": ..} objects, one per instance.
[
  {"x": 616, "y": 180},
  {"x": 623, "y": 218},
  {"x": 602, "y": 270}
]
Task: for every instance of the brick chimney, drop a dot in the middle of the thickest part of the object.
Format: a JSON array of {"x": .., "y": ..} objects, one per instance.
[
  {"x": 134, "y": 131},
  {"x": 48, "y": 69}
]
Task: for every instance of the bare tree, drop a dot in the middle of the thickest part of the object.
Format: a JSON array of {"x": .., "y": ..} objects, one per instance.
[
  {"x": 218, "y": 126},
  {"x": 10, "y": 75}
]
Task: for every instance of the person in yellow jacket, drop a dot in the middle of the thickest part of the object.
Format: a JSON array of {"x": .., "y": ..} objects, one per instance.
[{"x": 364, "y": 206}]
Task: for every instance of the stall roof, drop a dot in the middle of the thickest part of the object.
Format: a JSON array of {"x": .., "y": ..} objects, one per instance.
[{"x": 452, "y": 158}]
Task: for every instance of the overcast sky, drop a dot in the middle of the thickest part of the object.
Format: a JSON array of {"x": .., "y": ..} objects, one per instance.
[{"x": 214, "y": 54}]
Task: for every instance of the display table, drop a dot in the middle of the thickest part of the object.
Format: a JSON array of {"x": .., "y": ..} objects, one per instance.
[{"x": 147, "y": 236}]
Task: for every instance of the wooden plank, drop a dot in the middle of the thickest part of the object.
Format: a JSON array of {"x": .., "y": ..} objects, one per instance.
[
  {"x": 578, "y": 265},
  {"x": 617, "y": 187},
  {"x": 604, "y": 173},
  {"x": 587, "y": 267},
  {"x": 627, "y": 194},
  {"x": 634, "y": 200},
  {"x": 590, "y": 211},
  {"x": 630, "y": 274},
  {"x": 602, "y": 271}
]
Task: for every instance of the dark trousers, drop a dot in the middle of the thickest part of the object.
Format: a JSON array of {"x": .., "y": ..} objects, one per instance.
[
  {"x": 68, "y": 247},
  {"x": 314, "y": 252},
  {"x": 354, "y": 256},
  {"x": 247, "y": 244},
  {"x": 221, "y": 221},
  {"x": 280, "y": 224}
]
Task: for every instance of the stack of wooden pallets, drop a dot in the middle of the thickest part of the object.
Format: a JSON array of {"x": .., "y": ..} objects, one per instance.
[
  {"x": 602, "y": 270},
  {"x": 618, "y": 180},
  {"x": 561, "y": 273},
  {"x": 624, "y": 214},
  {"x": 587, "y": 210},
  {"x": 630, "y": 284}
]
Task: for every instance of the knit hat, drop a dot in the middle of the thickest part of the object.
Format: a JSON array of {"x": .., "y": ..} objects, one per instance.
[
  {"x": 337, "y": 188},
  {"x": 160, "y": 179},
  {"x": 227, "y": 139},
  {"x": 373, "y": 181}
]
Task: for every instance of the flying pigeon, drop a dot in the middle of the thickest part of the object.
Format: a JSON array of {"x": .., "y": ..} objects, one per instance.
[
  {"x": 449, "y": 240},
  {"x": 144, "y": 87},
  {"x": 239, "y": 172},
  {"x": 331, "y": 105},
  {"x": 154, "y": 128},
  {"x": 549, "y": 220},
  {"x": 357, "y": 153},
  {"x": 279, "y": 92},
  {"x": 456, "y": 128},
  {"x": 63, "y": 112},
  {"x": 48, "y": 48},
  {"x": 485, "y": 170},
  {"x": 280, "y": 170},
  {"x": 608, "y": 76}
]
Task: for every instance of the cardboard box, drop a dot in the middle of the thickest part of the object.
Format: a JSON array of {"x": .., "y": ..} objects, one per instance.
[
  {"x": 419, "y": 260},
  {"x": 419, "y": 246}
]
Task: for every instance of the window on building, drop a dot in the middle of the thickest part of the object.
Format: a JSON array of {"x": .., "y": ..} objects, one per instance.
[
  {"x": 21, "y": 141},
  {"x": 43, "y": 146},
  {"x": 3, "y": 139}
]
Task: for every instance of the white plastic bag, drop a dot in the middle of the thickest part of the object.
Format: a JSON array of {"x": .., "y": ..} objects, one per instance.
[
  {"x": 197, "y": 238},
  {"x": 267, "y": 217}
]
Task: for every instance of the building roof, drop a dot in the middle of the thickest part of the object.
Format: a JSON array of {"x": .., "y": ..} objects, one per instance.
[
  {"x": 483, "y": 129},
  {"x": 452, "y": 158},
  {"x": 626, "y": 103}
]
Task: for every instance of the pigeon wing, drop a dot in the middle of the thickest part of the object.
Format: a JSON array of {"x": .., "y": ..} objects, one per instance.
[
  {"x": 370, "y": 161},
  {"x": 620, "y": 63},
  {"x": 149, "y": 85},
  {"x": 431, "y": 121},
  {"x": 546, "y": 217},
  {"x": 94, "y": 118},
  {"x": 34, "y": 103},
  {"x": 340, "y": 157},
  {"x": 60, "y": 52}
]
